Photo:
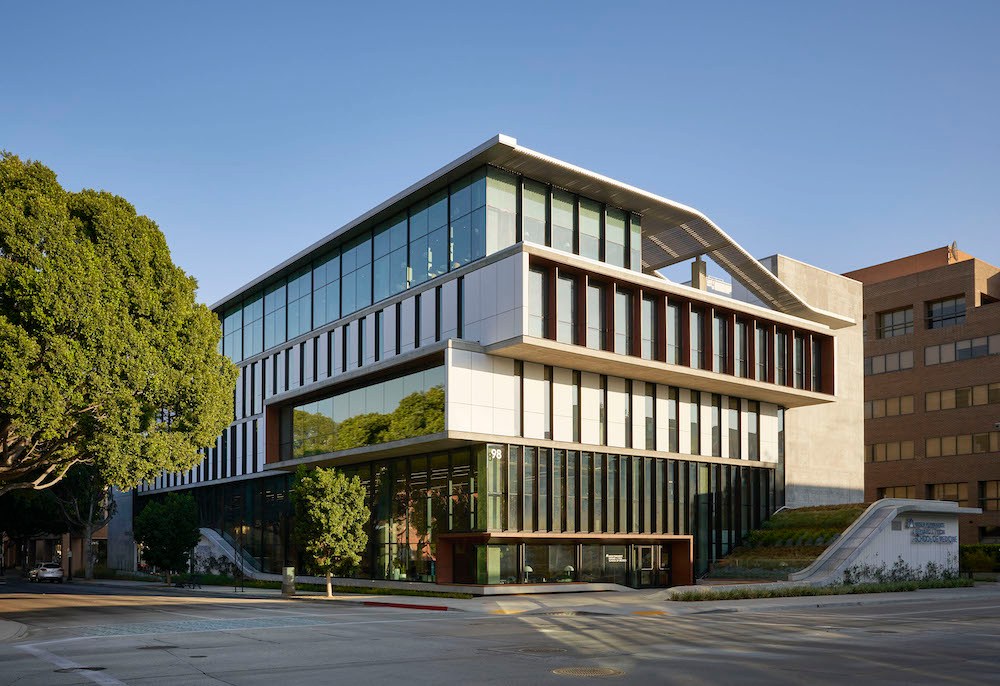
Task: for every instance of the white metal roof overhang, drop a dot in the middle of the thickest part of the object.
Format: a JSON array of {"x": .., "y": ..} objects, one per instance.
[{"x": 671, "y": 232}]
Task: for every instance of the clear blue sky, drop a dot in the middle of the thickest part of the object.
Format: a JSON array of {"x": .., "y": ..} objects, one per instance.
[{"x": 842, "y": 134}]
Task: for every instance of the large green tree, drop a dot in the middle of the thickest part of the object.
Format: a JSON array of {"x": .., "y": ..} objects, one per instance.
[
  {"x": 330, "y": 516},
  {"x": 105, "y": 357},
  {"x": 168, "y": 532}
]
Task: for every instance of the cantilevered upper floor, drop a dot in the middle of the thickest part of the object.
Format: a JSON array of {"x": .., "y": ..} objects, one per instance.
[{"x": 494, "y": 196}]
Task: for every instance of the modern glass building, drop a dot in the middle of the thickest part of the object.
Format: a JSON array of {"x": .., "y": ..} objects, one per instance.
[{"x": 493, "y": 352}]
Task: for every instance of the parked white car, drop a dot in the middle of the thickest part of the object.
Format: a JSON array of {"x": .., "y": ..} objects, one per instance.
[{"x": 47, "y": 571}]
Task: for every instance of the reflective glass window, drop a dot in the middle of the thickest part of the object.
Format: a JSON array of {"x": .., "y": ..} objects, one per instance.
[
  {"x": 326, "y": 289},
  {"x": 650, "y": 329},
  {"x": 300, "y": 303},
  {"x": 566, "y": 309},
  {"x": 563, "y": 224},
  {"x": 597, "y": 319},
  {"x": 635, "y": 243},
  {"x": 534, "y": 208},
  {"x": 615, "y": 249},
  {"x": 468, "y": 219},
  {"x": 501, "y": 209},
  {"x": 253, "y": 326},
  {"x": 623, "y": 322},
  {"x": 274, "y": 315},
  {"x": 673, "y": 333},
  {"x": 389, "y": 252},
  {"x": 590, "y": 229},
  {"x": 538, "y": 301}
]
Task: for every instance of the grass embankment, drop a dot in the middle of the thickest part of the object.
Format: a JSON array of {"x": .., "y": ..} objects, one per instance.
[
  {"x": 222, "y": 580},
  {"x": 749, "y": 592},
  {"x": 791, "y": 540}
]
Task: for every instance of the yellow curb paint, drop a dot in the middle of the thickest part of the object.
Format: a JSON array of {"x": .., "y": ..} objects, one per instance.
[{"x": 506, "y": 612}]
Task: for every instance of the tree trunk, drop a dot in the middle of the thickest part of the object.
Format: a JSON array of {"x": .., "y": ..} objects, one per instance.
[
  {"x": 167, "y": 576},
  {"x": 329, "y": 585}
]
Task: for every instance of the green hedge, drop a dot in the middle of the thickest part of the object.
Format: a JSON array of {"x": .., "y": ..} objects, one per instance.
[
  {"x": 749, "y": 593},
  {"x": 981, "y": 557}
]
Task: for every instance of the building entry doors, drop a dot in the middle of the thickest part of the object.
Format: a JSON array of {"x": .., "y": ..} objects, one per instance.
[{"x": 651, "y": 565}]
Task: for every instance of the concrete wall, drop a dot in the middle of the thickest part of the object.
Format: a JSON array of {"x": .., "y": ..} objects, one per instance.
[
  {"x": 121, "y": 545},
  {"x": 824, "y": 444}
]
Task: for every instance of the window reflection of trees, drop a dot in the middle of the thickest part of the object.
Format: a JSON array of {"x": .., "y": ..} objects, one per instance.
[{"x": 418, "y": 414}]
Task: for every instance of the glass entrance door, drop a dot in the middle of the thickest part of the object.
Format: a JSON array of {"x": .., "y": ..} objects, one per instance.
[{"x": 651, "y": 565}]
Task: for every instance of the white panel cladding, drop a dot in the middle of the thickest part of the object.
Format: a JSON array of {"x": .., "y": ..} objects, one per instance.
[
  {"x": 240, "y": 432},
  {"x": 407, "y": 326},
  {"x": 684, "y": 421},
  {"x": 744, "y": 436},
  {"x": 617, "y": 407},
  {"x": 279, "y": 364},
  {"x": 428, "y": 316},
  {"x": 534, "y": 400},
  {"x": 506, "y": 397},
  {"x": 590, "y": 408},
  {"x": 238, "y": 393},
  {"x": 389, "y": 335},
  {"x": 706, "y": 424},
  {"x": 323, "y": 356},
  {"x": 638, "y": 415},
  {"x": 494, "y": 301},
  {"x": 449, "y": 310},
  {"x": 294, "y": 366},
  {"x": 562, "y": 404},
  {"x": 260, "y": 443},
  {"x": 472, "y": 306},
  {"x": 337, "y": 340},
  {"x": 483, "y": 394},
  {"x": 258, "y": 386},
  {"x": 458, "y": 397},
  {"x": 369, "y": 350},
  {"x": 662, "y": 418},
  {"x": 309, "y": 361},
  {"x": 352, "y": 344},
  {"x": 768, "y": 432}
]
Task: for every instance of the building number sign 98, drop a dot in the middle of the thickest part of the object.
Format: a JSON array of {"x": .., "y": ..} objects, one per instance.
[{"x": 495, "y": 452}]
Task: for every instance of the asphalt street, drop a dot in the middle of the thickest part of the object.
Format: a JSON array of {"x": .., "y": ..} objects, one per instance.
[{"x": 79, "y": 634}]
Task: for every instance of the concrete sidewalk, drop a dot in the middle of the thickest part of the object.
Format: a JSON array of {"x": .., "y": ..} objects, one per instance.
[{"x": 654, "y": 602}]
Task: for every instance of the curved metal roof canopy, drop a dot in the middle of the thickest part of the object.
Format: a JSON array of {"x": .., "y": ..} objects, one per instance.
[{"x": 671, "y": 232}]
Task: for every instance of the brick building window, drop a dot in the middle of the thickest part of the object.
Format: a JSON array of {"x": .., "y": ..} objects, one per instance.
[
  {"x": 989, "y": 496},
  {"x": 897, "y": 492},
  {"x": 895, "y": 323},
  {"x": 955, "y": 492},
  {"x": 947, "y": 312}
]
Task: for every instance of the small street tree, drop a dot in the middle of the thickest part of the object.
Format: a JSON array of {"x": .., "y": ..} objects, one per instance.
[
  {"x": 86, "y": 502},
  {"x": 330, "y": 516},
  {"x": 168, "y": 532}
]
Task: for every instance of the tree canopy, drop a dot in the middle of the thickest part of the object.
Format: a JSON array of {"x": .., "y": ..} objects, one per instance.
[
  {"x": 105, "y": 356},
  {"x": 330, "y": 516},
  {"x": 168, "y": 531}
]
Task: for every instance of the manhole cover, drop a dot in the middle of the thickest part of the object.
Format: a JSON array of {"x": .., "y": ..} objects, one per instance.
[
  {"x": 587, "y": 671},
  {"x": 541, "y": 651},
  {"x": 73, "y": 670},
  {"x": 197, "y": 655}
]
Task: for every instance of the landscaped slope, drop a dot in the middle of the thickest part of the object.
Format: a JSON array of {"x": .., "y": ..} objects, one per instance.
[{"x": 788, "y": 542}]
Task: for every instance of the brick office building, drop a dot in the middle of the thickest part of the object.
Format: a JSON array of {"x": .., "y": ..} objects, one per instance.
[{"x": 932, "y": 383}]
